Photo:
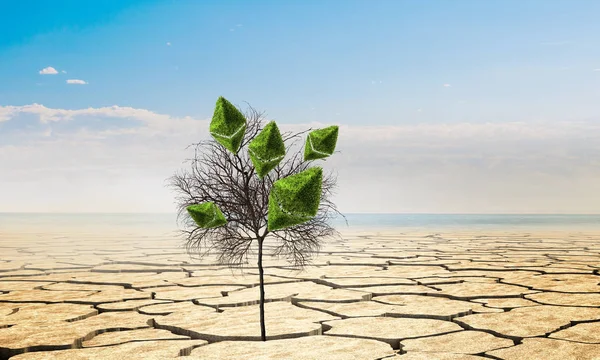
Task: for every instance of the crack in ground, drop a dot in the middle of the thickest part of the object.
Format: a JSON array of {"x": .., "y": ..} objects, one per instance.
[{"x": 503, "y": 252}]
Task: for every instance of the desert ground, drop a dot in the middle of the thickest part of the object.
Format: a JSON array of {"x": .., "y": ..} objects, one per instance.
[{"x": 406, "y": 295}]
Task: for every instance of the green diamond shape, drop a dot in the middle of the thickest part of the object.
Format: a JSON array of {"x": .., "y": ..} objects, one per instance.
[
  {"x": 295, "y": 199},
  {"x": 207, "y": 215},
  {"x": 228, "y": 125},
  {"x": 267, "y": 149},
  {"x": 320, "y": 143}
]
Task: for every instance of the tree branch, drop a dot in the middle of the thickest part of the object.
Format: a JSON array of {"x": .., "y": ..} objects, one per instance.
[{"x": 228, "y": 180}]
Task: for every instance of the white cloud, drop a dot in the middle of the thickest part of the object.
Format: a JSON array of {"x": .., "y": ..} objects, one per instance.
[
  {"x": 55, "y": 115},
  {"x": 76, "y": 81},
  {"x": 48, "y": 71},
  {"x": 432, "y": 167},
  {"x": 596, "y": 70},
  {"x": 64, "y": 71},
  {"x": 447, "y": 85},
  {"x": 482, "y": 131},
  {"x": 7, "y": 112},
  {"x": 168, "y": 44}
]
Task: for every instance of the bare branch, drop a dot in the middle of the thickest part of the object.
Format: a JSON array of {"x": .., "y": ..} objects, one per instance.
[{"x": 228, "y": 180}]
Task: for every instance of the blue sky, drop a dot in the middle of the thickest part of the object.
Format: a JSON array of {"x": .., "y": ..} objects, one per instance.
[
  {"x": 505, "y": 56},
  {"x": 517, "y": 77}
]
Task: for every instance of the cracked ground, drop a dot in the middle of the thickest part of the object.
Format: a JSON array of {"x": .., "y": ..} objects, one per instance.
[{"x": 373, "y": 295}]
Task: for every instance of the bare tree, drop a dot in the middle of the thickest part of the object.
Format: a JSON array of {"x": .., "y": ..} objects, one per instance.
[{"x": 229, "y": 181}]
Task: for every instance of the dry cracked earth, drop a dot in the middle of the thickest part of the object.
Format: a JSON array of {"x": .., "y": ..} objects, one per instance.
[{"x": 373, "y": 295}]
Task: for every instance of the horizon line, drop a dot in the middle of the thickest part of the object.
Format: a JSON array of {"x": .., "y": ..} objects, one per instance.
[{"x": 349, "y": 213}]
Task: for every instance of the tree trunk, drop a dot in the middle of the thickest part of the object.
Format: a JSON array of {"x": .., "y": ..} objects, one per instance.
[{"x": 263, "y": 331}]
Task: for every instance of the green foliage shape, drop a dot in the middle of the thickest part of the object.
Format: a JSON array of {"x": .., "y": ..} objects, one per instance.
[
  {"x": 267, "y": 149},
  {"x": 207, "y": 215},
  {"x": 320, "y": 143},
  {"x": 228, "y": 125},
  {"x": 295, "y": 199}
]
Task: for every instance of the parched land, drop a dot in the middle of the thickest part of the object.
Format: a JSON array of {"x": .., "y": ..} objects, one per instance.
[{"x": 374, "y": 295}]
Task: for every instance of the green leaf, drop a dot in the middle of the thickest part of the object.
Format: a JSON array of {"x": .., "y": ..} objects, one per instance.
[
  {"x": 320, "y": 143},
  {"x": 295, "y": 199},
  {"x": 267, "y": 149},
  {"x": 228, "y": 125},
  {"x": 207, "y": 215}
]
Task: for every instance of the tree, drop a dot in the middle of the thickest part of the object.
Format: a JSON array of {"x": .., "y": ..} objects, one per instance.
[{"x": 240, "y": 188}]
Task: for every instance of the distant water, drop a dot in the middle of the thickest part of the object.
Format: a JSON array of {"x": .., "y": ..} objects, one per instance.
[
  {"x": 471, "y": 221},
  {"x": 167, "y": 222},
  {"x": 36, "y": 222}
]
